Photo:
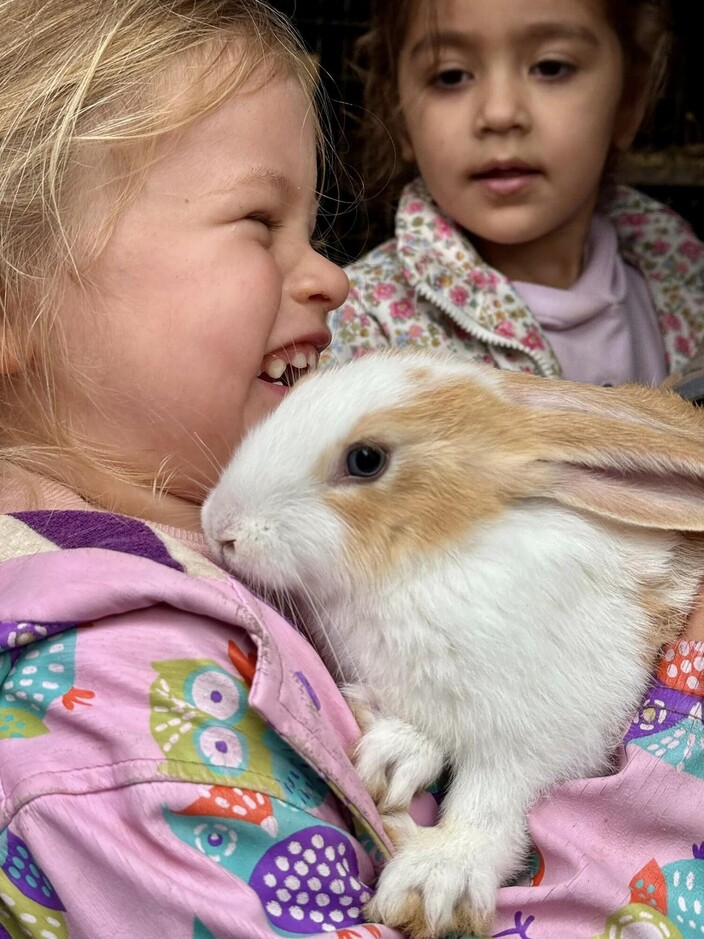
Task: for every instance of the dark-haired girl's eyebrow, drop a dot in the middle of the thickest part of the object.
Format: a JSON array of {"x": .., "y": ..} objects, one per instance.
[
  {"x": 447, "y": 39},
  {"x": 536, "y": 32},
  {"x": 544, "y": 32}
]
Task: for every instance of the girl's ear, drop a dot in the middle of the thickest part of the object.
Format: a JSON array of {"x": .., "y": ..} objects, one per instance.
[
  {"x": 404, "y": 141},
  {"x": 630, "y": 454}
]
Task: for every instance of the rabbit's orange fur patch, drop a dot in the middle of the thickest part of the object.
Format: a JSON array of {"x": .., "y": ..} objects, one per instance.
[
  {"x": 422, "y": 503},
  {"x": 494, "y": 443}
]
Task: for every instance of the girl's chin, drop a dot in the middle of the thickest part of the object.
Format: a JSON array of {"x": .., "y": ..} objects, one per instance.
[{"x": 264, "y": 396}]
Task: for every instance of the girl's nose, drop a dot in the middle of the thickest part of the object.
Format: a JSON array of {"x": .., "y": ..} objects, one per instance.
[
  {"x": 502, "y": 107},
  {"x": 322, "y": 282}
]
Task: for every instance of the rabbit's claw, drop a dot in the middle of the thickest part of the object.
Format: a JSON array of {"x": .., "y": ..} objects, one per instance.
[
  {"x": 436, "y": 886},
  {"x": 395, "y": 761}
]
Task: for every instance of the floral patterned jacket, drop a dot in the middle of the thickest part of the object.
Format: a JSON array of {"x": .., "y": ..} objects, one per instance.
[{"x": 428, "y": 286}]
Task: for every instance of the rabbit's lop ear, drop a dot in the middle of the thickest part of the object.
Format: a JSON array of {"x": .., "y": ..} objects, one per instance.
[{"x": 631, "y": 454}]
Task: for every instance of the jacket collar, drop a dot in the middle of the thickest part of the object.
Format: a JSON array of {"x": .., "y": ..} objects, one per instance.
[{"x": 441, "y": 263}]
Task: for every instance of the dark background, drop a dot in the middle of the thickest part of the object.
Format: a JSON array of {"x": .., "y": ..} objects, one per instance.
[{"x": 669, "y": 157}]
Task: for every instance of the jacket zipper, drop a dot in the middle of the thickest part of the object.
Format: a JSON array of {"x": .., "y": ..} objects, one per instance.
[{"x": 489, "y": 338}]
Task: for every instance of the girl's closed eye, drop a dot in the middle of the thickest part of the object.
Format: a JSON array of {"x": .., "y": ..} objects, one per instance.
[
  {"x": 553, "y": 69},
  {"x": 266, "y": 219}
]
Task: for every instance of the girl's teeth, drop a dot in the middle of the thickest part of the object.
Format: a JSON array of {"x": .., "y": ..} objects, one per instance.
[{"x": 275, "y": 368}]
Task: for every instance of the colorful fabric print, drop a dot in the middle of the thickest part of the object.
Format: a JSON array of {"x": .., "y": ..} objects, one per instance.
[
  {"x": 202, "y": 722},
  {"x": 301, "y": 786},
  {"x": 519, "y": 930},
  {"x": 73, "y": 528},
  {"x": 536, "y": 867},
  {"x": 39, "y": 676},
  {"x": 368, "y": 931},
  {"x": 200, "y": 931},
  {"x": 637, "y": 921},
  {"x": 682, "y": 667},
  {"x": 200, "y": 719},
  {"x": 15, "y": 636},
  {"x": 306, "y": 876},
  {"x": 244, "y": 804},
  {"x": 669, "y": 900},
  {"x": 669, "y": 722},
  {"x": 29, "y": 905}
]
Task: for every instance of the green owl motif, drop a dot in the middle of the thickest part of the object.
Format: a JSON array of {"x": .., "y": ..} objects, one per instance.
[
  {"x": 39, "y": 676},
  {"x": 201, "y": 719}
]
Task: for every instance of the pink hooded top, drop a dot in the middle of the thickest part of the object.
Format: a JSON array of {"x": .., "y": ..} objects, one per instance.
[{"x": 173, "y": 762}]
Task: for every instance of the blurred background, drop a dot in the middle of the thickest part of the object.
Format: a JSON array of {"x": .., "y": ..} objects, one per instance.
[{"x": 668, "y": 162}]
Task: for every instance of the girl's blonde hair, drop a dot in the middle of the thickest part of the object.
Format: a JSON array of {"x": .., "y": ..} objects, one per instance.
[
  {"x": 643, "y": 28},
  {"x": 88, "y": 88}
]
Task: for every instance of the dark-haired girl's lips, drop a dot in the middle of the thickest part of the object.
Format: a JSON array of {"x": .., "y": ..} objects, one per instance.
[{"x": 506, "y": 181}]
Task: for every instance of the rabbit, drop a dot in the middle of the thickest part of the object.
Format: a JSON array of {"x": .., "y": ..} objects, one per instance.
[{"x": 489, "y": 563}]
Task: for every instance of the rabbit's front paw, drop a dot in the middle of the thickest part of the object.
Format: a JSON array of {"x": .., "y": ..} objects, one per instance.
[
  {"x": 395, "y": 761},
  {"x": 437, "y": 885}
]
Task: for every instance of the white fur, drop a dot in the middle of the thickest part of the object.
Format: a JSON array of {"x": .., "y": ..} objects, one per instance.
[{"x": 516, "y": 658}]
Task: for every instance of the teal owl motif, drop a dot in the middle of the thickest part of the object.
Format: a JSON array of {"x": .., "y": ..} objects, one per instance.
[
  {"x": 29, "y": 905},
  {"x": 39, "y": 675},
  {"x": 302, "y": 787},
  {"x": 201, "y": 719},
  {"x": 304, "y": 871}
]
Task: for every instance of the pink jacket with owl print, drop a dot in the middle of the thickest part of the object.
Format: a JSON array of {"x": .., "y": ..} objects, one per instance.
[
  {"x": 173, "y": 763},
  {"x": 428, "y": 286}
]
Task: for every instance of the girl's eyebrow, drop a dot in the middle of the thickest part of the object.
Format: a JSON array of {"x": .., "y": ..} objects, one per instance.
[
  {"x": 536, "y": 32},
  {"x": 546, "y": 31},
  {"x": 447, "y": 38},
  {"x": 255, "y": 174}
]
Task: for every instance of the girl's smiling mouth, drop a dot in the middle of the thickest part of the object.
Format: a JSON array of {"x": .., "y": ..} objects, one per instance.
[{"x": 285, "y": 366}]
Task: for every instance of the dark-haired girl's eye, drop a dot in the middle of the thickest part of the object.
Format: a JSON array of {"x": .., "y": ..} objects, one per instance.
[
  {"x": 451, "y": 78},
  {"x": 553, "y": 69},
  {"x": 365, "y": 461}
]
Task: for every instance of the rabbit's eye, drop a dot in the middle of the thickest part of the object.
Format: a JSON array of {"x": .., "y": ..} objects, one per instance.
[{"x": 365, "y": 461}]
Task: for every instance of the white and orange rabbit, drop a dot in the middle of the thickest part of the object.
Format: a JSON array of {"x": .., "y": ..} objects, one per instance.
[{"x": 490, "y": 562}]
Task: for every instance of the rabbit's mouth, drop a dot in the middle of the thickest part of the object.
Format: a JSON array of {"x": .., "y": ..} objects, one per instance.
[{"x": 286, "y": 366}]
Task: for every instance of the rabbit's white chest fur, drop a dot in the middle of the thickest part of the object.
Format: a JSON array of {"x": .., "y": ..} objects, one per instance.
[{"x": 534, "y": 632}]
